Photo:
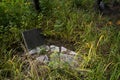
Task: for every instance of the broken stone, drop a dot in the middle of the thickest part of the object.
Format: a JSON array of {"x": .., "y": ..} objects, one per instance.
[
  {"x": 72, "y": 53},
  {"x": 43, "y": 59},
  {"x": 63, "y": 49},
  {"x": 32, "y": 51},
  {"x": 43, "y": 47},
  {"x": 60, "y": 60},
  {"x": 54, "y": 48},
  {"x": 67, "y": 51}
]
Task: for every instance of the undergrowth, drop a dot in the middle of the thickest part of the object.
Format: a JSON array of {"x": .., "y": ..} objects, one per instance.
[{"x": 95, "y": 38}]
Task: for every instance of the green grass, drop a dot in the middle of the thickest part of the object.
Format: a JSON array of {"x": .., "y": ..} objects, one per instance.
[{"x": 74, "y": 22}]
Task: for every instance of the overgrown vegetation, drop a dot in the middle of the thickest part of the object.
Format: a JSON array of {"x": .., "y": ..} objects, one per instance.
[{"x": 96, "y": 40}]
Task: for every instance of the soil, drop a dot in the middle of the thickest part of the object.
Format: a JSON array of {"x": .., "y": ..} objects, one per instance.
[{"x": 113, "y": 12}]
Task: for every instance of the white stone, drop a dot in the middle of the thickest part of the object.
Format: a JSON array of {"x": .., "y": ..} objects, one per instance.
[
  {"x": 45, "y": 47},
  {"x": 72, "y": 52},
  {"x": 54, "y": 48},
  {"x": 33, "y": 51},
  {"x": 42, "y": 58},
  {"x": 38, "y": 49},
  {"x": 63, "y": 49}
]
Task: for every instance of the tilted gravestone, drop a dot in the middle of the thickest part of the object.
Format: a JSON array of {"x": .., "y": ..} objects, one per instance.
[
  {"x": 35, "y": 41},
  {"x": 33, "y": 38}
]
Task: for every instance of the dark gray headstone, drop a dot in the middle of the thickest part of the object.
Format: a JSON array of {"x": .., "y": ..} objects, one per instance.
[{"x": 33, "y": 38}]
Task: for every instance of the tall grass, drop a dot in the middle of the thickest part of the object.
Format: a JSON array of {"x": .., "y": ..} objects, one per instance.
[{"x": 74, "y": 22}]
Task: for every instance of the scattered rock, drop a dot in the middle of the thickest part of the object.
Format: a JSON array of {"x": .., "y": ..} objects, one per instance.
[
  {"x": 62, "y": 54},
  {"x": 54, "y": 48},
  {"x": 39, "y": 51},
  {"x": 43, "y": 59},
  {"x": 63, "y": 49},
  {"x": 32, "y": 51},
  {"x": 61, "y": 60}
]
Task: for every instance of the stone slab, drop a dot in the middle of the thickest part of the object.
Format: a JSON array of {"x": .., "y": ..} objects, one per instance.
[{"x": 33, "y": 38}]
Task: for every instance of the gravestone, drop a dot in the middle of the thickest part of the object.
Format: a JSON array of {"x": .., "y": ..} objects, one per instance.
[
  {"x": 35, "y": 43},
  {"x": 33, "y": 39}
]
